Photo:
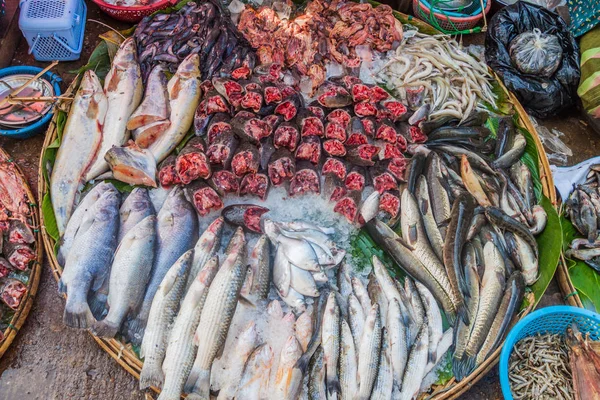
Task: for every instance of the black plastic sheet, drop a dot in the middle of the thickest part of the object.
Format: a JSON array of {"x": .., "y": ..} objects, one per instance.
[{"x": 541, "y": 97}]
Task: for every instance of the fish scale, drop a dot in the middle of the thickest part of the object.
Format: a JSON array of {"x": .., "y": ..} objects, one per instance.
[{"x": 369, "y": 353}]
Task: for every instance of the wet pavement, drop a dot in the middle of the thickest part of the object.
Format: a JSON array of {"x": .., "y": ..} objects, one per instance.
[{"x": 49, "y": 361}]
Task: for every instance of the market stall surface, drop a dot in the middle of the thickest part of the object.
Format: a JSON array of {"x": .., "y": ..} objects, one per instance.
[{"x": 51, "y": 361}]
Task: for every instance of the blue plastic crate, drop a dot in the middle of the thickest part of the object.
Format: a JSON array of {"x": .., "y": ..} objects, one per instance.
[
  {"x": 554, "y": 320},
  {"x": 54, "y": 29}
]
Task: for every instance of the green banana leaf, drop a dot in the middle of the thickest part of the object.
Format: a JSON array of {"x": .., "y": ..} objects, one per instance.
[{"x": 584, "y": 278}]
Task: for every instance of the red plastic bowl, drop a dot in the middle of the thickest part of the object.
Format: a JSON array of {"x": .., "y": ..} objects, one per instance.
[{"x": 133, "y": 14}]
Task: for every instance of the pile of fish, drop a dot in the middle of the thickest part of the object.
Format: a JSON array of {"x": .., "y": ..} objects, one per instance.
[
  {"x": 131, "y": 3},
  {"x": 202, "y": 28},
  {"x": 257, "y": 132},
  {"x": 339, "y": 31},
  {"x": 583, "y": 209},
  {"x": 440, "y": 72},
  {"x": 17, "y": 241}
]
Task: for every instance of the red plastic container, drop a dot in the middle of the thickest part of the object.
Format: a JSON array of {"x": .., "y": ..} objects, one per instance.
[{"x": 133, "y": 14}]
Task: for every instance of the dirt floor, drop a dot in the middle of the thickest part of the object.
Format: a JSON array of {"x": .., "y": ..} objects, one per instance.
[{"x": 50, "y": 361}]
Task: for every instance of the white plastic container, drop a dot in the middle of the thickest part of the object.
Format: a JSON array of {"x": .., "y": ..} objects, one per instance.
[{"x": 53, "y": 28}]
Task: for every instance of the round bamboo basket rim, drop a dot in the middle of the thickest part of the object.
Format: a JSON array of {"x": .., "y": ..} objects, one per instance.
[
  {"x": 124, "y": 355},
  {"x": 22, "y": 312}
]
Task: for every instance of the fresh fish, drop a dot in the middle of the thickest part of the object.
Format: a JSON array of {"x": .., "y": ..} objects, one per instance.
[
  {"x": 129, "y": 275},
  {"x": 177, "y": 215},
  {"x": 344, "y": 283},
  {"x": 472, "y": 183},
  {"x": 348, "y": 364},
  {"x": 303, "y": 282},
  {"x": 255, "y": 378},
  {"x": 503, "y": 221},
  {"x": 403, "y": 256},
  {"x": 416, "y": 304},
  {"x": 304, "y": 329},
  {"x": 473, "y": 281},
  {"x": 184, "y": 95},
  {"x": 440, "y": 202},
  {"x": 521, "y": 176},
  {"x": 165, "y": 306},
  {"x": 181, "y": 350},
  {"x": 288, "y": 380},
  {"x": 136, "y": 207},
  {"x": 316, "y": 376},
  {"x": 492, "y": 288},
  {"x": 369, "y": 353},
  {"x": 78, "y": 217},
  {"x": 154, "y": 108},
  {"x": 523, "y": 257},
  {"x": 81, "y": 139},
  {"x": 512, "y": 155},
  {"x": 282, "y": 273},
  {"x": 88, "y": 263},
  {"x": 361, "y": 294},
  {"x": 540, "y": 218},
  {"x": 206, "y": 247},
  {"x": 216, "y": 317},
  {"x": 384, "y": 385},
  {"x": 331, "y": 345},
  {"x": 398, "y": 346},
  {"x": 132, "y": 164},
  {"x": 442, "y": 348},
  {"x": 511, "y": 300},
  {"x": 356, "y": 319},
  {"x": 369, "y": 208},
  {"x": 377, "y": 296},
  {"x": 245, "y": 344},
  {"x": 415, "y": 169},
  {"x": 123, "y": 88},
  {"x": 298, "y": 252},
  {"x": 295, "y": 300},
  {"x": 258, "y": 278},
  {"x": 416, "y": 365},
  {"x": 434, "y": 320},
  {"x": 431, "y": 228}
]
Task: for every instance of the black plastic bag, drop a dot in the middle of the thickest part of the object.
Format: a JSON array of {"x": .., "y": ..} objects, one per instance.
[{"x": 541, "y": 97}]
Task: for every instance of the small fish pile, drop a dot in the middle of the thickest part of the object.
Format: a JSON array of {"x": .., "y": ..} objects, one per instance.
[
  {"x": 202, "y": 28},
  {"x": 17, "y": 241},
  {"x": 539, "y": 368},
  {"x": 131, "y": 3},
  {"x": 256, "y": 132},
  {"x": 338, "y": 31},
  {"x": 438, "y": 71},
  {"x": 583, "y": 209}
]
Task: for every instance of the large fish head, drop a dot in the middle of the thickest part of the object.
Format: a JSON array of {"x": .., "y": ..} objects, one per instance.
[
  {"x": 126, "y": 54},
  {"x": 189, "y": 67},
  {"x": 291, "y": 351},
  {"x": 263, "y": 356},
  {"x": 90, "y": 85}
]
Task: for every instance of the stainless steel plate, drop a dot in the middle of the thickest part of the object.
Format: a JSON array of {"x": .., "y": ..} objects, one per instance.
[{"x": 18, "y": 115}]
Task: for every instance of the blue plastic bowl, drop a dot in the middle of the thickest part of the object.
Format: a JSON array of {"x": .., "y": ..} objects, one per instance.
[
  {"x": 554, "y": 319},
  {"x": 41, "y": 124},
  {"x": 470, "y": 11}
]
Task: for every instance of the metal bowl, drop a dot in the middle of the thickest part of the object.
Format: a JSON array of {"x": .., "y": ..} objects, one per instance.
[{"x": 17, "y": 115}]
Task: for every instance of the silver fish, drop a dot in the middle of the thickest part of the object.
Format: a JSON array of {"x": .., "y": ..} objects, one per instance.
[
  {"x": 316, "y": 376},
  {"x": 369, "y": 352},
  {"x": 377, "y": 296},
  {"x": 180, "y": 349},
  {"x": 135, "y": 208},
  {"x": 344, "y": 283},
  {"x": 288, "y": 380},
  {"x": 442, "y": 347},
  {"x": 356, "y": 317},
  {"x": 361, "y": 294},
  {"x": 369, "y": 208},
  {"x": 431, "y": 228},
  {"x": 348, "y": 364},
  {"x": 218, "y": 311},
  {"x": 206, "y": 247},
  {"x": 434, "y": 320},
  {"x": 184, "y": 96},
  {"x": 393, "y": 291},
  {"x": 255, "y": 378},
  {"x": 397, "y": 332},
  {"x": 304, "y": 328},
  {"x": 165, "y": 306},
  {"x": 299, "y": 252},
  {"x": 88, "y": 262},
  {"x": 415, "y": 366},
  {"x": 176, "y": 216},
  {"x": 384, "y": 385},
  {"x": 129, "y": 275},
  {"x": 440, "y": 202},
  {"x": 331, "y": 344},
  {"x": 81, "y": 139},
  {"x": 282, "y": 273},
  {"x": 245, "y": 344},
  {"x": 524, "y": 257},
  {"x": 76, "y": 219},
  {"x": 260, "y": 269},
  {"x": 303, "y": 282},
  {"x": 123, "y": 88}
]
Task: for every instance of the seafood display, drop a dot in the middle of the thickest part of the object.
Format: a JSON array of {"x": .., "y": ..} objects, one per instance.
[
  {"x": 438, "y": 72},
  {"x": 201, "y": 28},
  {"x": 339, "y": 31},
  {"x": 18, "y": 247},
  {"x": 583, "y": 209}
]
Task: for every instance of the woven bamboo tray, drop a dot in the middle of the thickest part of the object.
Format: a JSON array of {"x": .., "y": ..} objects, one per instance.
[
  {"x": 20, "y": 315},
  {"x": 124, "y": 354}
]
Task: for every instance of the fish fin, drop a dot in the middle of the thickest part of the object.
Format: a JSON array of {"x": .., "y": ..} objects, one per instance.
[
  {"x": 194, "y": 396},
  {"x": 99, "y": 280},
  {"x": 62, "y": 287},
  {"x": 97, "y": 302},
  {"x": 135, "y": 330},
  {"x": 432, "y": 357},
  {"x": 247, "y": 302},
  {"x": 403, "y": 243},
  {"x": 463, "y": 314},
  {"x": 105, "y": 328},
  {"x": 77, "y": 315},
  {"x": 151, "y": 375},
  {"x": 199, "y": 387}
]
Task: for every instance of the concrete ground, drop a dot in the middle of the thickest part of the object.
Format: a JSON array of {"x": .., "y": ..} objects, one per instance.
[{"x": 51, "y": 362}]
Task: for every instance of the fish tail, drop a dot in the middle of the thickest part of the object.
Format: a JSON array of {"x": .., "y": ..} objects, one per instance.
[
  {"x": 432, "y": 357},
  {"x": 97, "y": 303},
  {"x": 62, "y": 287},
  {"x": 151, "y": 375},
  {"x": 135, "y": 330},
  {"x": 333, "y": 387},
  {"x": 198, "y": 383},
  {"x": 463, "y": 367},
  {"x": 169, "y": 391},
  {"x": 106, "y": 328},
  {"x": 462, "y": 312},
  {"x": 77, "y": 314}
]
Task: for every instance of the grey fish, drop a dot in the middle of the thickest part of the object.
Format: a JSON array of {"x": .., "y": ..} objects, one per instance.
[
  {"x": 331, "y": 344},
  {"x": 513, "y": 154},
  {"x": 434, "y": 320},
  {"x": 369, "y": 352},
  {"x": 206, "y": 247},
  {"x": 303, "y": 282},
  {"x": 440, "y": 202},
  {"x": 356, "y": 318},
  {"x": 181, "y": 350},
  {"x": 474, "y": 159},
  {"x": 344, "y": 283},
  {"x": 361, "y": 294},
  {"x": 135, "y": 208},
  {"x": 540, "y": 218},
  {"x": 259, "y": 276},
  {"x": 88, "y": 263},
  {"x": 348, "y": 364},
  {"x": 316, "y": 376},
  {"x": 165, "y": 306},
  {"x": 129, "y": 275},
  {"x": 503, "y": 221},
  {"x": 433, "y": 233},
  {"x": 282, "y": 273},
  {"x": 295, "y": 300},
  {"x": 463, "y": 330},
  {"x": 417, "y": 306},
  {"x": 523, "y": 257},
  {"x": 85, "y": 205},
  {"x": 255, "y": 378},
  {"x": 218, "y": 311},
  {"x": 521, "y": 176},
  {"x": 588, "y": 216},
  {"x": 176, "y": 216},
  {"x": 384, "y": 385},
  {"x": 398, "y": 346},
  {"x": 416, "y": 365},
  {"x": 377, "y": 296}
]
